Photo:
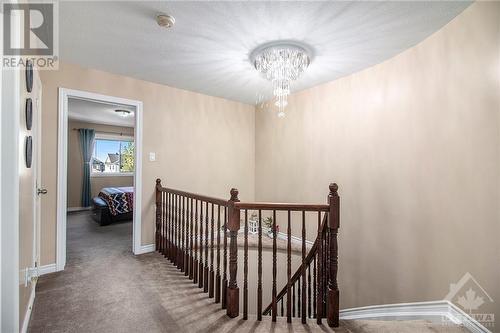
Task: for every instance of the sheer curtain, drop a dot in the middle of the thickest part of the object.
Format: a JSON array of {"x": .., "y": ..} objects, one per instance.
[{"x": 87, "y": 137}]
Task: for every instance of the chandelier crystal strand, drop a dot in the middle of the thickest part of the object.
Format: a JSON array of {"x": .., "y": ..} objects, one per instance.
[{"x": 281, "y": 64}]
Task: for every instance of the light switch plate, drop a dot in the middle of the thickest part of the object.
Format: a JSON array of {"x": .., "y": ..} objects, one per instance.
[{"x": 152, "y": 157}]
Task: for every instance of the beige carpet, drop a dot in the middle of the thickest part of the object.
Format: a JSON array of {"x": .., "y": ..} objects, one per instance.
[{"x": 104, "y": 288}]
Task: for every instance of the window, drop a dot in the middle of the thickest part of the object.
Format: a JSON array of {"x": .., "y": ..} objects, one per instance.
[{"x": 113, "y": 155}]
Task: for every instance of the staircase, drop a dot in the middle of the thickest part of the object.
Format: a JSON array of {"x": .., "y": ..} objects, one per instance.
[{"x": 199, "y": 235}]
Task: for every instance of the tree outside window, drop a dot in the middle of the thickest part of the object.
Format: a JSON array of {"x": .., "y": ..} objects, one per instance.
[{"x": 113, "y": 156}]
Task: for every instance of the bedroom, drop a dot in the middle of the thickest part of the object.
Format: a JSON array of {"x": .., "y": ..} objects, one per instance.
[{"x": 100, "y": 173}]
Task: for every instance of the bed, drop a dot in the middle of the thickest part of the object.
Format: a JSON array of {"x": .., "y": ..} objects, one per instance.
[{"x": 113, "y": 204}]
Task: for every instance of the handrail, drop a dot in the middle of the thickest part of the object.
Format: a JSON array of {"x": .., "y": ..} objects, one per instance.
[
  {"x": 282, "y": 206},
  {"x": 215, "y": 201},
  {"x": 296, "y": 275},
  {"x": 251, "y": 205}
]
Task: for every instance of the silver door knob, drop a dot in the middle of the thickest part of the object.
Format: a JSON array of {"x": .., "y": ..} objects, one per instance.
[{"x": 41, "y": 191}]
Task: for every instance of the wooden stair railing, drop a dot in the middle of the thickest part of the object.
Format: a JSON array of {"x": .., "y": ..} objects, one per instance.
[
  {"x": 295, "y": 280},
  {"x": 189, "y": 228}
]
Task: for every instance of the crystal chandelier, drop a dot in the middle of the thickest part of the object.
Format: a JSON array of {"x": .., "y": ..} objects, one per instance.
[{"x": 281, "y": 64}]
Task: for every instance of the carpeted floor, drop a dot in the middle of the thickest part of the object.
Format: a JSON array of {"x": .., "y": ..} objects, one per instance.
[{"x": 105, "y": 288}]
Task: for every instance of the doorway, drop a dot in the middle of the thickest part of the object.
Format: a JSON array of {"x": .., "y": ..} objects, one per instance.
[{"x": 67, "y": 96}]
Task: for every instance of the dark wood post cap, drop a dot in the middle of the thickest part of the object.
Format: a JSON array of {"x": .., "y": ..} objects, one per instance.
[
  {"x": 234, "y": 194},
  {"x": 333, "y": 188}
]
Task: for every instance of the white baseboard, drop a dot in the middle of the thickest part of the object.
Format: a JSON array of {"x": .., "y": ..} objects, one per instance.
[
  {"x": 27, "y": 315},
  {"x": 294, "y": 239},
  {"x": 46, "y": 269},
  {"x": 146, "y": 249},
  {"x": 77, "y": 209},
  {"x": 461, "y": 316},
  {"x": 432, "y": 311}
]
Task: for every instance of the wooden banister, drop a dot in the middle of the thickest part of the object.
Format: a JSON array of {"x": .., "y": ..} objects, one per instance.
[
  {"x": 282, "y": 206},
  {"x": 298, "y": 272},
  {"x": 189, "y": 228},
  {"x": 204, "y": 198}
]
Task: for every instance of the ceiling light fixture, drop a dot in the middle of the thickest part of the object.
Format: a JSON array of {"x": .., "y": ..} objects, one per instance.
[
  {"x": 165, "y": 21},
  {"x": 281, "y": 63},
  {"x": 123, "y": 113}
]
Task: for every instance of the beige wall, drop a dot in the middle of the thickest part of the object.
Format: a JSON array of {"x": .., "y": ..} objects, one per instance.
[
  {"x": 202, "y": 143},
  {"x": 75, "y": 163},
  {"x": 414, "y": 145}
]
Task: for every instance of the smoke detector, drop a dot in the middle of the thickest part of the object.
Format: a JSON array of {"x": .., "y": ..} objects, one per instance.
[{"x": 165, "y": 21}]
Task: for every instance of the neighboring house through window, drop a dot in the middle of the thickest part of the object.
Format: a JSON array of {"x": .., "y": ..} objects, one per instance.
[{"x": 113, "y": 155}]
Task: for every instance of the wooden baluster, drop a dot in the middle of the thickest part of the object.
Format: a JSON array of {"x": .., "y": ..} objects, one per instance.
[
  {"x": 299, "y": 303},
  {"x": 309, "y": 309},
  {"x": 179, "y": 232},
  {"x": 205, "y": 272},
  {"x": 174, "y": 239},
  {"x": 224, "y": 274},
  {"x": 172, "y": 222},
  {"x": 288, "y": 270},
  {"x": 211, "y": 281},
  {"x": 333, "y": 226},
  {"x": 176, "y": 229},
  {"x": 191, "y": 238},
  {"x": 195, "y": 261},
  {"x": 233, "y": 292},
  {"x": 319, "y": 295},
  {"x": 169, "y": 228},
  {"x": 293, "y": 299},
  {"x": 281, "y": 300},
  {"x": 217, "y": 273},
  {"x": 245, "y": 269},
  {"x": 274, "y": 305},
  {"x": 326, "y": 269},
  {"x": 161, "y": 240},
  {"x": 158, "y": 212},
  {"x": 303, "y": 291},
  {"x": 314, "y": 287},
  {"x": 183, "y": 232},
  {"x": 259, "y": 270},
  {"x": 161, "y": 237},
  {"x": 165, "y": 217},
  {"x": 186, "y": 237},
  {"x": 183, "y": 235},
  {"x": 200, "y": 268},
  {"x": 165, "y": 221}
]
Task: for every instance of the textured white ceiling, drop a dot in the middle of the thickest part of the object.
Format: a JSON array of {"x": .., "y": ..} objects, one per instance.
[
  {"x": 99, "y": 113},
  {"x": 207, "y": 49}
]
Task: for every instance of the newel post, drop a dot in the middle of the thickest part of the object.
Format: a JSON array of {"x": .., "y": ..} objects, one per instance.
[
  {"x": 158, "y": 213},
  {"x": 333, "y": 227},
  {"x": 233, "y": 292}
]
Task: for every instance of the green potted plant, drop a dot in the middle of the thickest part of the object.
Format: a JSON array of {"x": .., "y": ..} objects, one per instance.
[{"x": 268, "y": 223}]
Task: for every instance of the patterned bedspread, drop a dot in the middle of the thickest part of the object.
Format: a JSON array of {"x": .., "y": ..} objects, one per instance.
[{"x": 120, "y": 200}]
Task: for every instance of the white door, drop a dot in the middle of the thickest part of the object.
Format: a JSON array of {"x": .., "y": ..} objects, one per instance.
[{"x": 39, "y": 190}]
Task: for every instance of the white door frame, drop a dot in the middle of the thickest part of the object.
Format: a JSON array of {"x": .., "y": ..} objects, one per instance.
[
  {"x": 9, "y": 189},
  {"x": 62, "y": 159}
]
